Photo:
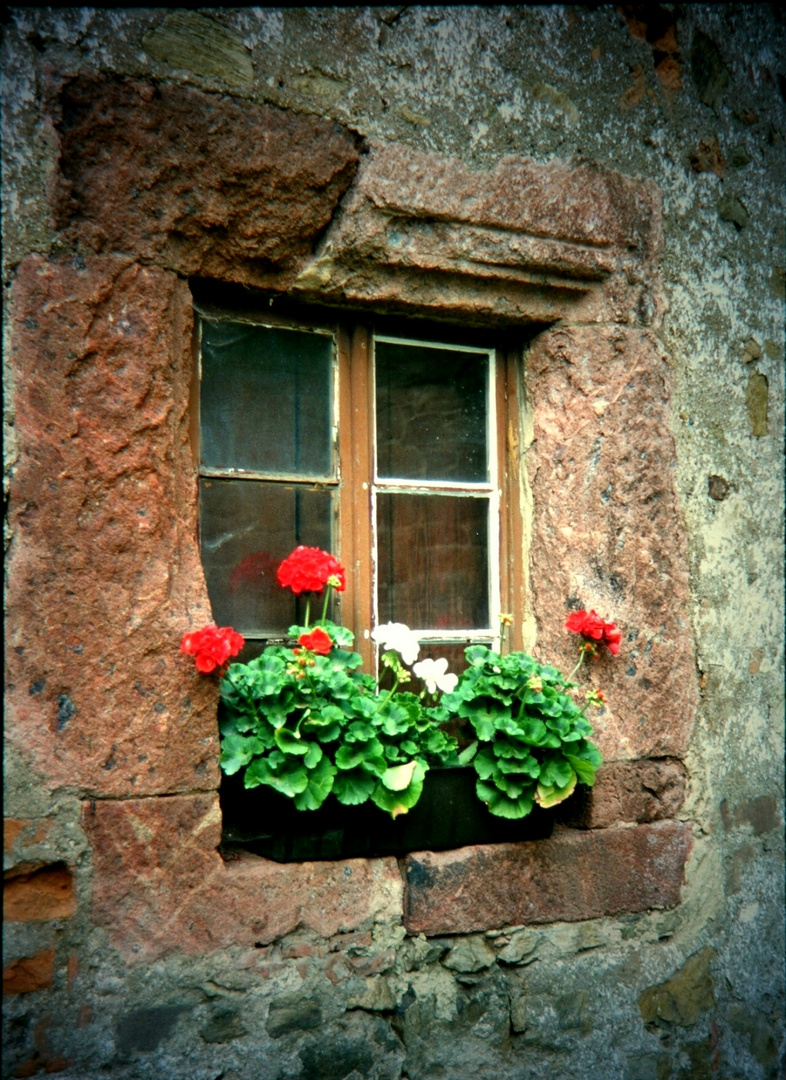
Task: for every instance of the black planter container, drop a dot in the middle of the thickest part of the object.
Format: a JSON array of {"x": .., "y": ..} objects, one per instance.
[{"x": 447, "y": 815}]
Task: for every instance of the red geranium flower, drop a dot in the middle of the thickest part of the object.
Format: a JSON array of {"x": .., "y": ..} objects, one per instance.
[
  {"x": 318, "y": 641},
  {"x": 591, "y": 626},
  {"x": 310, "y": 570},
  {"x": 212, "y": 646}
]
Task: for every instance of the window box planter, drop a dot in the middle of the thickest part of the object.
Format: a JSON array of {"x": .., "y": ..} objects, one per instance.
[{"x": 447, "y": 815}]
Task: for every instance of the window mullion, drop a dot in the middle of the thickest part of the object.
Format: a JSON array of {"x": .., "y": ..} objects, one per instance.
[
  {"x": 355, "y": 396},
  {"x": 512, "y": 556}
]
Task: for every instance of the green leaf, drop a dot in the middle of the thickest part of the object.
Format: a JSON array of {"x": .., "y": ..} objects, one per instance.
[
  {"x": 548, "y": 795},
  {"x": 480, "y": 654},
  {"x": 513, "y": 786},
  {"x": 561, "y": 726},
  {"x": 237, "y": 751},
  {"x": 485, "y": 763},
  {"x": 320, "y": 782},
  {"x": 399, "y": 802},
  {"x": 468, "y": 753},
  {"x": 289, "y": 780},
  {"x": 340, "y": 635},
  {"x": 314, "y": 756},
  {"x": 276, "y": 712},
  {"x": 365, "y": 706},
  {"x": 349, "y": 757},
  {"x": 485, "y": 717},
  {"x": 359, "y": 730},
  {"x": 258, "y": 772},
  {"x": 533, "y": 731},
  {"x": 374, "y": 764},
  {"x": 503, "y": 806},
  {"x": 354, "y": 787},
  {"x": 529, "y": 767},
  {"x": 267, "y": 675},
  {"x": 584, "y": 769},
  {"x": 556, "y": 772},
  {"x": 399, "y": 777},
  {"x": 288, "y": 783},
  {"x": 324, "y": 734},
  {"x": 511, "y": 748},
  {"x": 439, "y": 745},
  {"x": 291, "y": 743},
  {"x": 395, "y": 718},
  {"x": 325, "y": 715}
]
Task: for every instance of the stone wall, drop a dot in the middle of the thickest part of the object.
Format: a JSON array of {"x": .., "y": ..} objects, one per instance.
[{"x": 608, "y": 184}]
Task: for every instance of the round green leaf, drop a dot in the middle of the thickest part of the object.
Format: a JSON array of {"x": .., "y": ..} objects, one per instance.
[
  {"x": 353, "y": 787},
  {"x": 317, "y": 789}
]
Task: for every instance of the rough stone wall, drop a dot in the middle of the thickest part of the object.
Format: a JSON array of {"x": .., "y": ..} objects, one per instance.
[{"x": 132, "y": 949}]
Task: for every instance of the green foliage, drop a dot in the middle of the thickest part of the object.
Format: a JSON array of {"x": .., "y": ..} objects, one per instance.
[
  {"x": 532, "y": 739},
  {"x": 310, "y": 725}
]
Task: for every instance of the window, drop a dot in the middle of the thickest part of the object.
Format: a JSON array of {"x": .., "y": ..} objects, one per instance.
[{"x": 384, "y": 443}]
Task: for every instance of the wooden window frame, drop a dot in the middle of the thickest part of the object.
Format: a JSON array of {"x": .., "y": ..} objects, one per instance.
[{"x": 354, "y": 401}]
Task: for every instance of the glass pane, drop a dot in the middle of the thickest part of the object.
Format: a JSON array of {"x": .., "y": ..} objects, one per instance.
[
  {"x": 247, "y": 528},
  {"x": 433, "y": 561},
  {"x": 266, "y": 399},
  {"x": 431, "y": 413}
]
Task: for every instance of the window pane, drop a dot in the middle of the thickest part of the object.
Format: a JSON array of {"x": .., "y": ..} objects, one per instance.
[
  {"x": 266, "y": 399},
  {"x": 433, "y": 561},
  {"x": 247, "y": 529},
  {"x": 431, "y": 413}
]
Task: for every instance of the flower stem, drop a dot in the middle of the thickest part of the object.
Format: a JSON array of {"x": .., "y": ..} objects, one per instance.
[
  {"x": 308, "y": 611},
  {"x": 576, "y": 668},
  {"x": 325, "y": 604},
  {"x": 390, "y": 693}
]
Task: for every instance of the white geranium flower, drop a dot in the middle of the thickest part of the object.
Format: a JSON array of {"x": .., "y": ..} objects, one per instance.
[
  {"x": 395, "y": 635},
  {"x": 435, "y": 675}
]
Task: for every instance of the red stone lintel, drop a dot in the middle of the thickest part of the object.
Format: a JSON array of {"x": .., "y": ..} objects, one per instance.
[{"x": 572, "y": 876}]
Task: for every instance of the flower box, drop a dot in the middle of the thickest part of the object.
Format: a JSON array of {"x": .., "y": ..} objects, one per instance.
[
  {"x": 338, "y": 767},
  {"x": 447, "y": 815}
]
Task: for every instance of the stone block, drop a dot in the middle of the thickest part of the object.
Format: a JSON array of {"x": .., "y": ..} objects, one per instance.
[
  {"x": 196, "y": 42},
  {"x": 104, "y": 569},
  {"x": 682, "y": 998},
  {"x": 522, "y": 242},
  {"x": 570, "y": 877},
  {"x": 33, "y": 892},
  {"x": 470, "y": 954},
  {"x": 223, "y": 1026},
  {"x": 201, "y": 184},
  {"x": 607, "y": 531},
  {"x": 146, "y": 1029},
  {"x": 29, "y": 973},
  {"x": 627, "y": 791},
  {"x": 24, "y": 832},
  {"x": 160, "y": 884},
  {"x": 292, "y": 1012}
]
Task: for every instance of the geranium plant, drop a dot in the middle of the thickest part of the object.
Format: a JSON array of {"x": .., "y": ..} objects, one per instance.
[
  {"x": 305, "y": 720},
  {"x": 532, "y": 739}
]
